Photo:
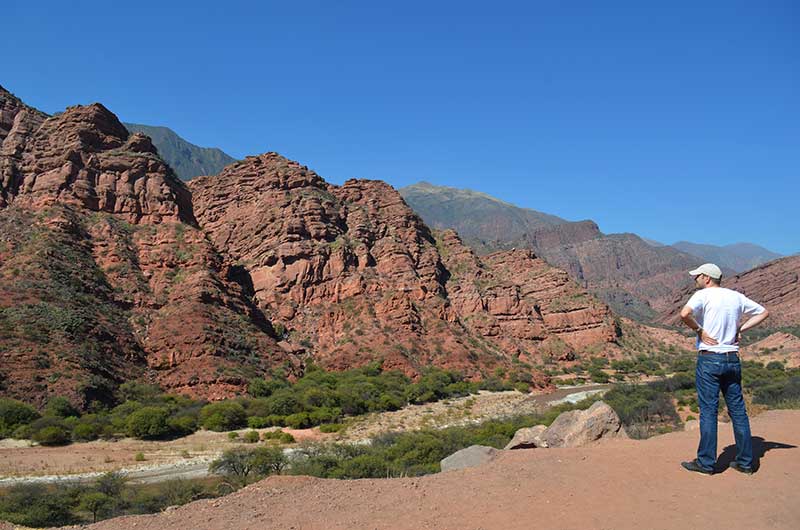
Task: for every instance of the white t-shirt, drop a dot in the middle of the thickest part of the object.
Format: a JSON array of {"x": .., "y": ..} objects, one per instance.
[{"x": 719, "y": 312}]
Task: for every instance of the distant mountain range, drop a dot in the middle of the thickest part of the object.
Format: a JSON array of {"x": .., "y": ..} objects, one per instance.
[
  {"x": 740, "y": 257},
  {"x": 636, "y": 277},
  {"x": 188, "y": 160}
]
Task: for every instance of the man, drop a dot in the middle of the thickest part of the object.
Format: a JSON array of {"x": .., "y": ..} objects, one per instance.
[{"x": 716, "y": 314}]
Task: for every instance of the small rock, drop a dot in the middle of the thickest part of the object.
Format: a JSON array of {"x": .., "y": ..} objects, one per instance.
[
  {"x": 528, "y": 438},
  {"x": 472, "y": 456}
]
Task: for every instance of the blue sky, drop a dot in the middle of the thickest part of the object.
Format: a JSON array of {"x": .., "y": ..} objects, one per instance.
[{"x": 677, "y": 121}]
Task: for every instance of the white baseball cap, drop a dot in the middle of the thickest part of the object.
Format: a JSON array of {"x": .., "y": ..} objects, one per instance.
[{"x": 709, "y": 269}]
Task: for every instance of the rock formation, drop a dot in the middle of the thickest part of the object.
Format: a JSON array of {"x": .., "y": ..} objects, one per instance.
[
  {"x": 113, "y": 269},
  {"x": 635, "y": 278},
  {"x": 577, "y": 428},
  {"x": 105, "y": 276},
  {"x": 352, "y": 274},
  {"x": 472, "y": 456}
]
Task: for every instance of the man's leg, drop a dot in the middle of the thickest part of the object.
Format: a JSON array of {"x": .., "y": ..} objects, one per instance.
[
  {"x": 731, "y": 385},
  {"x": 707, "y": 384}
]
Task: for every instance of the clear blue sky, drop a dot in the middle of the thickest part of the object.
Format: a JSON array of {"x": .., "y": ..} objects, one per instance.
[{"x": 675, "y": 121}]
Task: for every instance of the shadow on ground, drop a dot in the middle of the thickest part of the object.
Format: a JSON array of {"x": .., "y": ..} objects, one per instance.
[{"x": 760, "y": 448}]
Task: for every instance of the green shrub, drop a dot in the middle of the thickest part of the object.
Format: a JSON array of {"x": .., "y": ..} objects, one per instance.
[
  {"x": 60, "y": 407},
  {"x": 282, "y": 403},
  {"x": 280, "y": 436},
  {"x": 300, "y": 420},
  {"x": 183, "y": 424},
  {"x": 233, "y": 435},
  {"x": 139, "y": 457},
  {"x": 261, "y": 388},
  {"x": 140, "y": 392},
  {"x": 14, "y": 414},
  {"x": 251, "y": 437},
  {"x": 331, "y": 427},
  {"x": 642, "y": 409},
  {"x": 258, "y": 422},
  {"x": 95, "y": 503},
  {"x": 775, "y": 365},
  {"x": 32, "y": 505},
  {"x": 148, "y": 423},
  {"x": 52, "y": 435},
  {"x": 85, "y": 432},
  {"x": 784, "y": 393},
  {"x": 223, "y": 416},
  {"x": 598, "y": 376}
]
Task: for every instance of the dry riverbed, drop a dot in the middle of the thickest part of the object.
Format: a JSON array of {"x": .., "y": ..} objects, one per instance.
[{"x": 188, "y": 457}]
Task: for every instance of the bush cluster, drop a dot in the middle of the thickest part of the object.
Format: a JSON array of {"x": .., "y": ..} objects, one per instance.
[
  {"x": 37, "y": 505},
  {"x": 317, "y": 398}
]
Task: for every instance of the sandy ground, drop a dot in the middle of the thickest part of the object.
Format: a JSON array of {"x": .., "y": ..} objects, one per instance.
[{"x": 620, "y": 485}]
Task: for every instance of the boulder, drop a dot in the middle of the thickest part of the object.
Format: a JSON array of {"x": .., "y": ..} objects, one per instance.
[
  {"x": 528, "y": 438},
  {"x": 472, "y": 456},
  {"x": 577, "y": 428}
]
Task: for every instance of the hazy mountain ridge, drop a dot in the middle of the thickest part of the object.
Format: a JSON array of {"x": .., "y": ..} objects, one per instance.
[
  {"x": 484, "y": 222},
  {"x": 739, "y": 257},
  {"x": 187, "y": 159}
]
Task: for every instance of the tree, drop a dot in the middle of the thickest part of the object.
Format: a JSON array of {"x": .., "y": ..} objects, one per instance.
[
  {"x": 224, "y": 416},
  {"x": 52, "y": 435},
  {"x": 243, "y": 465},
  {"x": 13, "y": 414},
  {"x": 148, "y": 423},
  {"x": 235, "y": 464},
  {"x": 60, "y": 407},
  {"x": 95, "y": 502}
]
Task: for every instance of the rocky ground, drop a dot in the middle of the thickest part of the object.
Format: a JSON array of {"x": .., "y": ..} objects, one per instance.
[{"x": 621, "y": 484}]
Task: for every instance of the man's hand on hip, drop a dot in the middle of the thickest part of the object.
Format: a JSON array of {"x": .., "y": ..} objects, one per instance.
[{"x": 705, "y": 338}]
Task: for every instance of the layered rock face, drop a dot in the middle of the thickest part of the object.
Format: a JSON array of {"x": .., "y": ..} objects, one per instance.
[
  {"x": 636, "y": 279},
  {"x": 105, "y": 277},
  {"x": 352, "y": 274},
  {"x": 522, "y": 303},
  {"x": 633, "y": 277},
  {"x": 86, "y": 157},
  {"x": 114, "y": 270}
]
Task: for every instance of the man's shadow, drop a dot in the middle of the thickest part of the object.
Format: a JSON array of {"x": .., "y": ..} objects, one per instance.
[{"x": 760, "y": 447}]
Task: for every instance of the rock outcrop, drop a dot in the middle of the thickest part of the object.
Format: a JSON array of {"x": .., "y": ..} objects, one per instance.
[
  {"x": 574, "y": 428},
  {"x": 633, "y": 277},
  {"x": 85, "y": 156},
  {"x": 577, "y": 428},
  {"x": 352, "y": 274},
  {"x": 105, "y": 276},
  {"x": 472, "y": 456},
  {"x": 527, "y": 438},
  {"x": 128, "y": 273}
]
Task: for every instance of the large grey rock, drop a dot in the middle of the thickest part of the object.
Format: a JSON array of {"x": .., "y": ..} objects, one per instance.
[
  {"x": 472, "y": 456},
  {"x": 528, "y": 438},
  {"x": 577, "y": 428}
]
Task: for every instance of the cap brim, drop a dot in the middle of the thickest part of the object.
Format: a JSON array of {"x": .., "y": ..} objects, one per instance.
[{"x": 696, "y": 272}]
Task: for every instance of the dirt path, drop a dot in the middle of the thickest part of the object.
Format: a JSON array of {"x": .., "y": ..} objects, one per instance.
[{"x": 621, "y": 485}]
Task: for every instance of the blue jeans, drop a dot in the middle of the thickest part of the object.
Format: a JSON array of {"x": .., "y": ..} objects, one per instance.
[{"x": 715, "y": 372}]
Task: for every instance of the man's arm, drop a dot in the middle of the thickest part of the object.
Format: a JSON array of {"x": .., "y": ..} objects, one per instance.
[
  {"x": 754, "y": 321},
  {"x": 687, "y": 316}
]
